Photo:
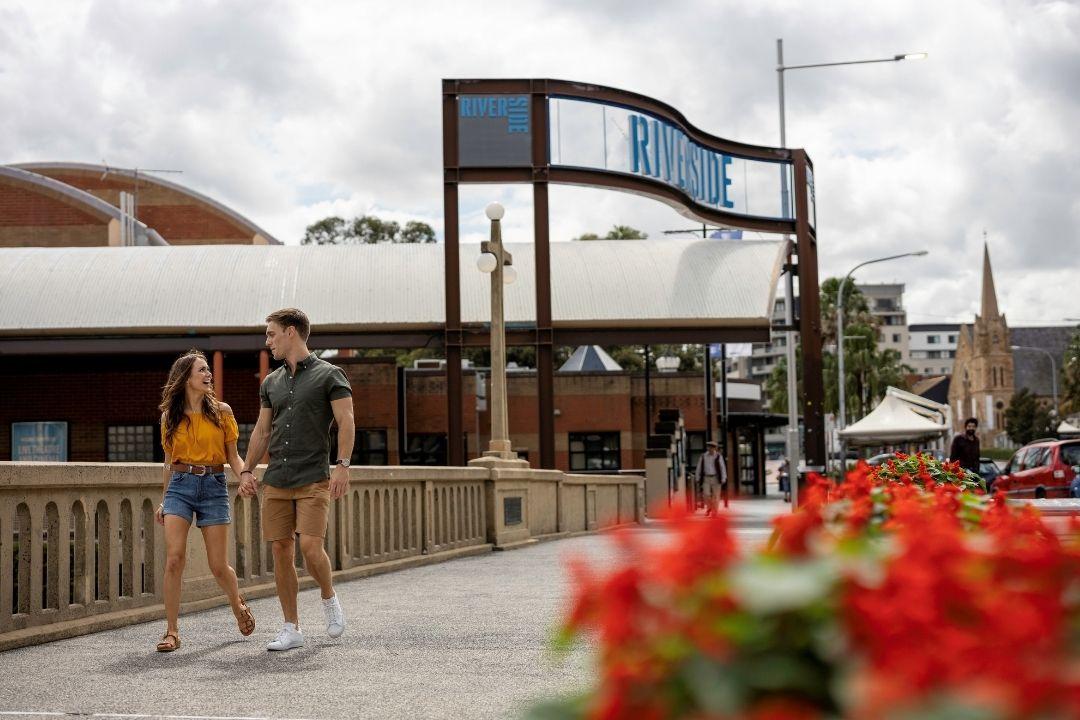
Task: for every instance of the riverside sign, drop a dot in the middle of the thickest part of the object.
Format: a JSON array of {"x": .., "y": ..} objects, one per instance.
[
  {"x": 543, "y": 131},
  {"x": 495, "y": 131}
]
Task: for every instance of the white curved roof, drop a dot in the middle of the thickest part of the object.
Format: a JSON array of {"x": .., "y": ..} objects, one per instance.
[{"x": 373, "y": 288}]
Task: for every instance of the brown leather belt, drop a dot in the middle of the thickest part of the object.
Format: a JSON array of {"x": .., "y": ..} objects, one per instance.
[{"x": 197, "y": 469}]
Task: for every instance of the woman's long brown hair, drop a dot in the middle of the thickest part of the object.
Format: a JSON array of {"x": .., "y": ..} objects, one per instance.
[{"x": 173, "y": 396}]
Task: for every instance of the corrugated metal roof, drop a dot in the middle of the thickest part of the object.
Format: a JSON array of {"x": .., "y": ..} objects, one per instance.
[{"x": 358, "y": 288}]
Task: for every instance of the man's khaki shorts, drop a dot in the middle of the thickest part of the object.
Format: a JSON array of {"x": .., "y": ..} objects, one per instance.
[{"x": 288, "y": 511}]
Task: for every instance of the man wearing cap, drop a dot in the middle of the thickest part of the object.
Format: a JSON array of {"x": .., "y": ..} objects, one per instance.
[{"x": 712, "y": 469}]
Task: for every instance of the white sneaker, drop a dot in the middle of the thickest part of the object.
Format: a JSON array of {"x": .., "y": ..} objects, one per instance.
[
  {"x": 335, "y": 618},
  {"x": 290, "y": 637}
]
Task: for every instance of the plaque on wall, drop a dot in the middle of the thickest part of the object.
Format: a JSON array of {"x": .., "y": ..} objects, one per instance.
[{"x": 512, "y": 511}]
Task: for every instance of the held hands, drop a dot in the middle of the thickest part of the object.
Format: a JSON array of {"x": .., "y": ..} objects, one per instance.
[
  {"x": 249, "y": 484},
  {"x": 339, "y": 482}
]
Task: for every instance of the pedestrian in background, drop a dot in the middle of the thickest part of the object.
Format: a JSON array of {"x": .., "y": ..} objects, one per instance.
[
  {"x": 965, "y": 447},
  {"x": 198, "y": 435},
  {"x": 712, "y": 469}
]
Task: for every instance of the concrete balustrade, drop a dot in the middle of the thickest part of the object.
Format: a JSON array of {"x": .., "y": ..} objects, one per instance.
[{"x": 80, "y": 551}]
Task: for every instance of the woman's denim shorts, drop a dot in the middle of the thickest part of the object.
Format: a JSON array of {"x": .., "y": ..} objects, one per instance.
[{"x": 204, "y": 496}]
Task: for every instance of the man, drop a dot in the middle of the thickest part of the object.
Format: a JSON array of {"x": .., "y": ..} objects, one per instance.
[
  {"x": 965, "y": 448},
  {"x": 298, "y": 401},
  {"x": 711, "y": 468}
]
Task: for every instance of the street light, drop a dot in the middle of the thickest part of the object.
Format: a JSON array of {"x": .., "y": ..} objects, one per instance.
[
  {"x": 840, "y": 346},
  {"x": 792, "y": 382},
  {"x": 1053, "y": 370},
  {"x": 494, "y": 259}
]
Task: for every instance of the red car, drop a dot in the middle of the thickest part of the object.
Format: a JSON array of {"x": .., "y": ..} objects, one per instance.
[{"x": 1041, "y": 469}]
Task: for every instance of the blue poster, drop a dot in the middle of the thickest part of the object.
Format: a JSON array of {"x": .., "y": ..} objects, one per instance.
[{"x": 41, "y": 441}]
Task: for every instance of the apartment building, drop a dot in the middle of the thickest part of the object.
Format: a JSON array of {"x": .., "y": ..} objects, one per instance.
[{"x": 932, "y": 348}]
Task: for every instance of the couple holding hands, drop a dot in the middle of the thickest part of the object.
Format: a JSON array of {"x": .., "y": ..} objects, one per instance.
[{"x": 298, "y": 402}]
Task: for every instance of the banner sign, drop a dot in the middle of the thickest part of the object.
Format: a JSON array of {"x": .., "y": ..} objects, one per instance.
[
  {"x": 602, "y": 136},
  {"x": 41, "y": 441},
  {"x": 494, "y": 131}
]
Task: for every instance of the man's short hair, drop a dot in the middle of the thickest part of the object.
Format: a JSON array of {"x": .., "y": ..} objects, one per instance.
[
  {"x": 971, "y": 420},
  {"x": 294, "y": 318}
]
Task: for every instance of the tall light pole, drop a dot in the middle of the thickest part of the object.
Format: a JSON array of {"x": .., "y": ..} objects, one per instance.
[
  {"x": 494, "y": 259},
  {"x": 1053, "y": 369},
  {"x": 785, "y": 200},
  {"x": 841, "y": 385}
]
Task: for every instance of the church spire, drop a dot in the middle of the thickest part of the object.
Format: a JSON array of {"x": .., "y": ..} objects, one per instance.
[{"x": 989, "y": 296}]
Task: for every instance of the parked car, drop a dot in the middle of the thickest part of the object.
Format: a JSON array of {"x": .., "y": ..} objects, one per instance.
[
  {"x": 1041, "y": 469},
  {"x": 988, "y": 471}
]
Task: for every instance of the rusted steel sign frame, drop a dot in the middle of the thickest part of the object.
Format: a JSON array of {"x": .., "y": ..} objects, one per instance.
[{"x": 540, "y": 172}]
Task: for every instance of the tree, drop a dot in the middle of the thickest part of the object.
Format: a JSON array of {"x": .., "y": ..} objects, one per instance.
[
  {"x": 625, "y": 232},
  {"x": 1070, "y": 371},
  {"x": 366, "y": 230},
  {"x": 417, "y": 232},
  {"x": 856, "y": 309},
  {"x": 617, "y": 232},
  {"x": 369, "y": 230},
  {"x": 1026, "y": 419},
  {"x": 328, "y": 231},
  {"x": 868, "y": 370}
]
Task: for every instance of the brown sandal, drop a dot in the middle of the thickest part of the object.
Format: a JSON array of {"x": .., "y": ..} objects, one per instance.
[
  {"x": 246, "y": 621},
  {"x": 167, "y": 645}
]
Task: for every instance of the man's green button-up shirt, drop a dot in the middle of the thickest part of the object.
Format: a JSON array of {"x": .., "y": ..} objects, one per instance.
[{"x": 300, "y": 435}]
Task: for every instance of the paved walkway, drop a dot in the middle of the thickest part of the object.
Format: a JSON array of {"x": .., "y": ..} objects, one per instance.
[{"x": 462, "y": 639}]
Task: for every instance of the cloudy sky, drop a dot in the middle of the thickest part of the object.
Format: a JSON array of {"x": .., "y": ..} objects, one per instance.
[{"x": 291, "y": 111}]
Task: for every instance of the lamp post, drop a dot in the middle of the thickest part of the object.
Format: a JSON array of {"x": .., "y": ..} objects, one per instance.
[
  {"x": 841, "y": 385},
  {"x": 494, "y": 259},
  {"x": 1053, "y": 369},
  {"x": 785, "y": 200}
]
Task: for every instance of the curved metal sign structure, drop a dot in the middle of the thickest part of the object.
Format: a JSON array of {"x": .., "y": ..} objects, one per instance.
[{"x": 557, "y": 131}]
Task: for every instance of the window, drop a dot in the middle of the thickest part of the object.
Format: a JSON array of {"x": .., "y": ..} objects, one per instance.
[
  {"x": 919, "y": 355},
  {"x": 370, "y": 447},
  {"x": 934, "y": 355},
  {"x": 594, "y": 451},
  {"x": 132, "y": 443},
  {"x": 896, "y": 337},
  {"x": 1070, "y": 454},
  {"x": 425, "y": 449},
  {"x": 933, "y": 339},
  {"x": 952, "y": 339}
]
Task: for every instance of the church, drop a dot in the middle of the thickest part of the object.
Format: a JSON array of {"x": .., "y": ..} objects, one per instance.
[{"x": 993, "y": 362}]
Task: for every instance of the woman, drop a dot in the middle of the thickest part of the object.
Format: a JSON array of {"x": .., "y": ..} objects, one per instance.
[{"x": 198, "y": 434}]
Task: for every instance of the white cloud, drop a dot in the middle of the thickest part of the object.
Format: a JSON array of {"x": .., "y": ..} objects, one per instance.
[{"x": 290, "y": 112}]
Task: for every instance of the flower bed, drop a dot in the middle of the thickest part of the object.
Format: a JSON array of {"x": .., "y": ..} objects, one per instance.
[{"x": 903, "y": 592}]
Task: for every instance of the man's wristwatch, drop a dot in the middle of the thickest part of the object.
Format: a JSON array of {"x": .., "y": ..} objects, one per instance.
[
  {"x": 343, "y": 463},
  {"x": 246, "y": 472}
]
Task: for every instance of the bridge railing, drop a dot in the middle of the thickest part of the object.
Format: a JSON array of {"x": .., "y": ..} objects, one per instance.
[{"x": 80, "y": 550}]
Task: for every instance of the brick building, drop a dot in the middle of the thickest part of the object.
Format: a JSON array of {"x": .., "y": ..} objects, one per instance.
[
  {"x": 79, "y": 205},
  {"x": 108, "y": 405}
]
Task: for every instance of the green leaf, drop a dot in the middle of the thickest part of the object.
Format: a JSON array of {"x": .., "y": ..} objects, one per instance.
[
  {"x": 712, "y": 687},
  {"x": 566, "y": 708}
]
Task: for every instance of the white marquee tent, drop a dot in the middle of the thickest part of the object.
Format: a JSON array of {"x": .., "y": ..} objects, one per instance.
[{"x": 900, "y": 417}]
